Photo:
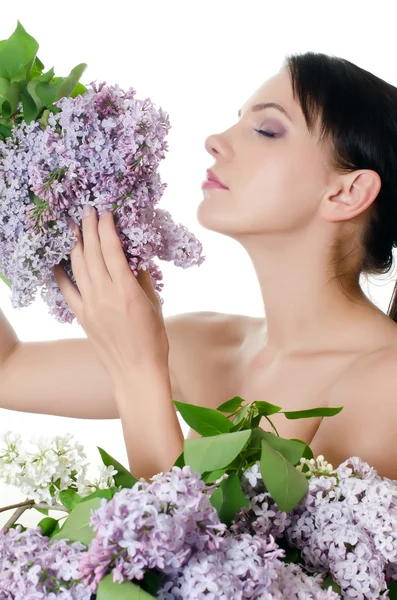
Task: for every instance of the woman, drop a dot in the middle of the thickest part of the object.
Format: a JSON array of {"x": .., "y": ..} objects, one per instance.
[{"x": 310, "y": 193}]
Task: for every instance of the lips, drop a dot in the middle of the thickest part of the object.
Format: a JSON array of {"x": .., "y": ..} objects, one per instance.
[{"x": 212, "y": 177}]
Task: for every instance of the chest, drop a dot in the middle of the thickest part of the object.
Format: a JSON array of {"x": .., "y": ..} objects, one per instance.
[{"x": 293, "y": 385}]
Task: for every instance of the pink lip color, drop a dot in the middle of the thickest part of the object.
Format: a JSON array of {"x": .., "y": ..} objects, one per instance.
[{"x": 212, "y": 184}]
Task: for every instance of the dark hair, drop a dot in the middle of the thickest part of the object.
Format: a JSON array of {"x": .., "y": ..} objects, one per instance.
[{"x": 358, "y": 115}]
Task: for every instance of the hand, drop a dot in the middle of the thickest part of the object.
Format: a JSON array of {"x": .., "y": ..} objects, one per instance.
[{"x": 121, "y": 314}]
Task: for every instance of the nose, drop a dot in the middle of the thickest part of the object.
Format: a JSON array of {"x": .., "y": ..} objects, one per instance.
[{"x": 217, "y": 146}]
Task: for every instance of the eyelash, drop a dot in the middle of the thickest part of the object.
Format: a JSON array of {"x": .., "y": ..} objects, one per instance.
[{"x": 265, "y": 133}]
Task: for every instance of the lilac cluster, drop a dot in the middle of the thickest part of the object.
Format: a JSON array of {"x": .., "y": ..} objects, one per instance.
[
  {"x": 31, "y": 567},
  {"x": 153, "y": 525},
  {"x": 347, "y": 525},
  {"x": 102, "y": 148},
  {"x": 262, "y": 515},
  {"x": 244, "y": 567}
]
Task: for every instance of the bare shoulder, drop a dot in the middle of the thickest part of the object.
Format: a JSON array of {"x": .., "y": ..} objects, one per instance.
[
  {"x": 367, "y": 425},
  {"x": 201, "y": 351},
  {"x": 193, "y": 328}
]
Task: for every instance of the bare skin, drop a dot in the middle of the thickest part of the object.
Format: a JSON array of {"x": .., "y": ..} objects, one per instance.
[
  {"x": 357, "y": 376},
  {"x": 317, "y": 347}
]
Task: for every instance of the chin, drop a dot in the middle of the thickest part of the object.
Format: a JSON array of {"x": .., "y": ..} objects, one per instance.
[{"x": 215, "y": 217}]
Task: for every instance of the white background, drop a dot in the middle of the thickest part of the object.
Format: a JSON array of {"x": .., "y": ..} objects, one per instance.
[{"x": 199, "y": 62}]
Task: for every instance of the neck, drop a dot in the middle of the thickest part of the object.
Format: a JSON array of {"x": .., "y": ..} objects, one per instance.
[{"x": 306, "y": 306}]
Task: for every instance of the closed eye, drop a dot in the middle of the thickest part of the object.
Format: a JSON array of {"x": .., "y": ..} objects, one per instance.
[{"x": 265, "y": 133}]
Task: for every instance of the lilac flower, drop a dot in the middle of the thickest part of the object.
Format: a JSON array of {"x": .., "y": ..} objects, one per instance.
[
  {"x": 32, "y": 568},
  {"x": 262, "y": 516},
  {"x": 153, "y": 525},
  {"x": 244, "y": 567},
  {"x": 347, "y": 525},
  {"x": 101, "y": 148}
]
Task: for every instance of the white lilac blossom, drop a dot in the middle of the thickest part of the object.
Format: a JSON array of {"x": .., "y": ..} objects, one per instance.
[
  {"x": 32, "y": 568},
  {"x": 101, "y": 148},
  {"x": 42, "y": 467},
  {"x": 153, "y": 525},
  {"x": 244, "y": 567}
]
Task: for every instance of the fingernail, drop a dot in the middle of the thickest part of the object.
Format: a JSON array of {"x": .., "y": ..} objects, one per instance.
[
  {"x": 87, "y": 210},
  {"x": 104, "y": 213}
]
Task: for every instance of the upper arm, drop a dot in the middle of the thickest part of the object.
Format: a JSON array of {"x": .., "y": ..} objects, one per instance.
[
  {"x": 66, "y": 377},
  {"x": 367, "y": 425}
]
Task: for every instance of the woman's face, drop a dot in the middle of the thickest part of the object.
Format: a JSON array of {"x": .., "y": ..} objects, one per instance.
[{"x": 275, "y": 183}]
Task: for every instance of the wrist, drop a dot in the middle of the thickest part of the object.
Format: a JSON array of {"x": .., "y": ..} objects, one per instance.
[{"x": 145, "y": 375}]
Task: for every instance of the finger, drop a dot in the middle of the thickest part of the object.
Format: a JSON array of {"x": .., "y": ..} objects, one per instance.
[
  {"x": 78, "y": 265},
  {"x": 94, "y": 261},
  {"x": 112, "y": 251},
  {"x": 146, "y": 282},
  {"x": 69, "y": 291}
]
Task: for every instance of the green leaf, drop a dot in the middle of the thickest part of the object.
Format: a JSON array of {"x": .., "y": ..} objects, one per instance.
[
  {"x": 2, "y": 277},
  {"x": 46, "y": 77},
  {"x": 292, "y": 450},
  {"x": 69, "y": 499},
  {"x": 206, "y": 421},
  {"x": 17, "y": 55},
  {"x": 15, "y": 525},
  {"x": 240, "y": 415},
  {"x": 77, "y": 526},
  {"x": 312, "y": 412},
  {"x": 392, "y": 587},
  {"x": 257, "y": 435},
  {"x": 108, "y": 590},
  {"x": 216, "y": 499},
  {"x": 151, "y": 582},
  {"x": 30, "y": 110},
  {"x": 43, "y": 511},
  {"x": 265, "y": 408},
  {"x": 69, "y": 83},
  {"x": 48, "y": 525},
  {"x": 180, "y": 461},
  {"x": 79, "y": 90},
  {"x": 45, "y": 92},
  {"x": 328, "y": 581},
  {"x": 233, "y": 499},
  {"x": 307, "y": 452},
  {"x": 213, "y": 475},
  {"x": 13, "y": 92},
  {"x": 230, "y": 406},
  {"x": 4, "y": 85},
  {"x": 107, "y": 493},
  {"x": 215, "y": 452},
  {"x": 37, "y": 68},
  {"x": 123, "y": 478},
  {"x": 286, "y": 484}
]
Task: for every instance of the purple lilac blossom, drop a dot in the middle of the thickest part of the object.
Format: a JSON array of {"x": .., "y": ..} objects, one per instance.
[
  {"x": 262, "y": 516},
  {"x": 347, "y": 525},
  {"x": 31, "y": 568},
  {"x": 245, "y": 567},
  {"x": 153, "y": 525},
  {"x": 101, "y": 148}
]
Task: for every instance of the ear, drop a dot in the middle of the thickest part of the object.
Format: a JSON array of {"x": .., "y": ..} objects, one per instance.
[{"x": 355, "y": 194}]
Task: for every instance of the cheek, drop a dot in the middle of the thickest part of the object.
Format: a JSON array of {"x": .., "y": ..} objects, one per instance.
[{"x": 282, "y": 193}]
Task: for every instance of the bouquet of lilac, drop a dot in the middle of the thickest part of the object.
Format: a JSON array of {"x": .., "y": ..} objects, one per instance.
[
  {"x": 242, "y": 514},
  {"x": 65, "y": 146}
]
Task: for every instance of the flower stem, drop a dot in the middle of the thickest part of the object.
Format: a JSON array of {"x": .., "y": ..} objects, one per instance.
[{"x": 22, "y": 506}]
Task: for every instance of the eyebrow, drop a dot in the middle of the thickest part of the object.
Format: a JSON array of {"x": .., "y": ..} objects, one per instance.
[{"x": 263, "y": 105}]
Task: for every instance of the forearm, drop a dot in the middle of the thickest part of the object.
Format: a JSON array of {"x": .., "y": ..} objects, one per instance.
[{"x": 152, "y": 434}]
